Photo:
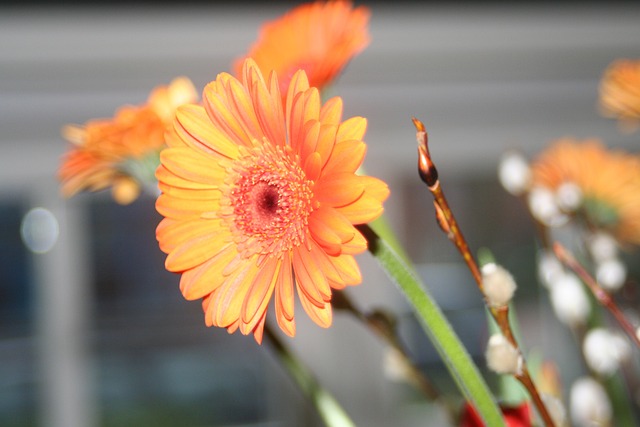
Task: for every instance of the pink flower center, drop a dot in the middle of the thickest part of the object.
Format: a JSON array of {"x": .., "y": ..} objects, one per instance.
[{"x": 271, "y": 200}]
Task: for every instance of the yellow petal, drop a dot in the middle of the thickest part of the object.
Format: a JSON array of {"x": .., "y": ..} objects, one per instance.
[
  {"x": 206, "y": 278},
  {"x": 173, "y": 207},
  {"x": 260, "y": 293},
  {"x": 353, "y": 128},
  {"x": 196, "y": 129},
  {"x": 331, "y": 112},
  {"x": 310, "y": 278},
  {"x": 230, "y": 297},
  {"x": 321, "y": 315},
  {"x": 193, "y": 166},
  {"x": 193, "y": 243}
]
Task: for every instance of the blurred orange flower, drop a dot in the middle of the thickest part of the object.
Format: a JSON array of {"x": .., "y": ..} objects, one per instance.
[
  {"x": 320, "y": 38},
  {"x": 259, "y": 199},
  {"x": 620, "y": 92},
  {"x": 112, "y": 152},
  {"x": 609, "y": 183}
]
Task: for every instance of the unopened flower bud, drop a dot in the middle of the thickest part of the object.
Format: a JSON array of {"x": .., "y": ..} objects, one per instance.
[
  {"x": 497, "y": 284},
  {"x": 568, "y": 196},
  {"x": 590, "y": 405},
  {"x": 611, "y": 274},
  {"x": 570, "y": 301},
  {"x": 514, "y": 173},
  {"x": 544, "y": 208},
  {"x": 502, "y": 357}
]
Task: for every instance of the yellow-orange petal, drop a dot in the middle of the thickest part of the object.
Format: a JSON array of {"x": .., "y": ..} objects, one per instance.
[
  {"x": 309, "y": 278},
  {"x": 206, "y": 278},
  {"x": 193, "y": 243},
  {"x": 193, "y": 166},
  {"x": 229, "y": 298},
  {"x": 173, "y": 207},
  {"x": 259, "y": 294},
  {"x": 356, "y": 245},
  {"x": 339, "y": 189},
  {"x": 201, "y": 193},
  {"x": 327, "y": 221},
  {"x": 347, "y": 268},
  {"x": 285, "y": 302},
  {"x": 368, "y": 207},
  {"x": 353, "y": 128},
  {"x": 268, "y": 105},
  {"x": 331, "y": 112},
  {"x": 346, "y": 156},
  {"x": 169, "y": 179},
  {"x": 320, "y": 314},
  {"x": 194, "y": 128}
]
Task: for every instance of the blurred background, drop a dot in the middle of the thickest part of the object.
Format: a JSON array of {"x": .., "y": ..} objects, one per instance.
[{"x": 94, "y": 331}]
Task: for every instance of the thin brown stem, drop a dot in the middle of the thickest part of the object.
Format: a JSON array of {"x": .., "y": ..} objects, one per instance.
[
  {"x": 383, "y": 326},
  {"x": 600, "y": 294},
  {"x": 429, "y": 175}
]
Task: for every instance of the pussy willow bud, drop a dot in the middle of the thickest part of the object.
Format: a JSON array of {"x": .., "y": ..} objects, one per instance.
[
  {"x": 602, "y": 246},
  {"x": 514, "y": 173},
  {"x": 568, "y": 197},
  {"x": 497, "y": 284},
  {"x": 569, "y": 300},
  {"x": 603, "y": 351},
  {"x": 544, "y": 208},
  {"x": 611, "y": 274},
  {"x": 550, "y": 269},
  {"x": 502, "y": 357},
  {"x": 590, "y": 405}
]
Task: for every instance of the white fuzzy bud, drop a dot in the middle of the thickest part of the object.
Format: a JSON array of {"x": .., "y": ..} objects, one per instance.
[
  {"x": 514, "y": 173},
  {"x": 502, "y": 357},
  {"x": 604, "y": 351},
  {"x": 543, "y": 207},
  {"x": 549, "y": 269},
  {"x": 395, "y": 366},
  {"x": 569, "y": 300},
  {"x": 602, "y": 246},
  {"x": 568, "y": 196},
  {"x": 497, "y": 284},
  {"x": 590, "y": 405},
  {"x": 611, "y": 274}
]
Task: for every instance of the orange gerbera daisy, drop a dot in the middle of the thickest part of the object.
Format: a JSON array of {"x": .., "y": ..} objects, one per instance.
[
  {"x": 620, "y": 92},
  {"x": 117, "y": 152},
  {"x": 320, "y": 38},
  {"x": 259, "y": 199},
  {"x": 609, "y": 182}
]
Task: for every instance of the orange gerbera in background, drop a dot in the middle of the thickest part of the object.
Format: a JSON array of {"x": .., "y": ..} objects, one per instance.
[
  {"x": 609, "y": 183},
  {"x": 620, "y": 92},
  {"x": 113, "y": 152},
  {"x": 260, "y": 200},
  {"x": 320, "y": 38}
]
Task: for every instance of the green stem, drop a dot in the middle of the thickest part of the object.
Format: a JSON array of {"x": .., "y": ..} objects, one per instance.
[
  {"x": 327, "y": 406},
  {"x": 453, "y": 353}
]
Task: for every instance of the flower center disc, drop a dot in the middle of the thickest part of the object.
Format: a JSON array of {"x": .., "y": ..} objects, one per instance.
[{"x": 271, "y": 202}]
